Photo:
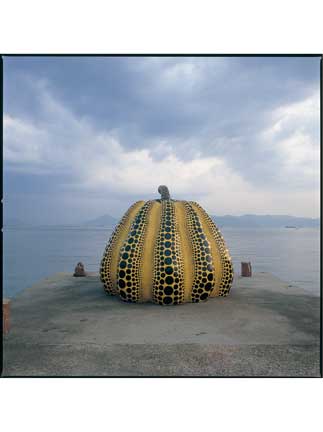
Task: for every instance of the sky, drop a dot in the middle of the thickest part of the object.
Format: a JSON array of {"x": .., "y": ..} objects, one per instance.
[{"x": 86, "y": 136}]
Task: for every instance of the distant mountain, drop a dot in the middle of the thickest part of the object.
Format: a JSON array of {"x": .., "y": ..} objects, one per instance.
[
  {"x": 245, "y": 221},
  {"x": 105, "y": 220},
  {"x": 265, "y": 221}
]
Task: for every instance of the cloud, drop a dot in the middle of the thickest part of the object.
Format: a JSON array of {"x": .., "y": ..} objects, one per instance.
[
  {"x": 294, "y": 135},
  {"x": 96, "y": 160},
  {"x": 23, "y": 149},
  {"x": 225, "y": 132}
]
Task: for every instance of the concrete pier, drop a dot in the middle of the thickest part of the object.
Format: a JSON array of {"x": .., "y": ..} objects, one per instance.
[{"x": 66, "y": 326}]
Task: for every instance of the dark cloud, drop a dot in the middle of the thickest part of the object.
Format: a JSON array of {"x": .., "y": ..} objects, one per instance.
[
  {"x": 190, "y": 107},
  {"x": 233, "y": 93}
]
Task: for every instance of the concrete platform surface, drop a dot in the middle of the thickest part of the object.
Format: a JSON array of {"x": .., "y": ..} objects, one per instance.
[{"x": 67, "y": 326}]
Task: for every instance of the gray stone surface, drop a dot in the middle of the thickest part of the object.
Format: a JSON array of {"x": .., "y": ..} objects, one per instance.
[{"x": 66, "y": 326}]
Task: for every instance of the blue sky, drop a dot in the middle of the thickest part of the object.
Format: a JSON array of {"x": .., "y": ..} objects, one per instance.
[{"x": 84, "y": 136}]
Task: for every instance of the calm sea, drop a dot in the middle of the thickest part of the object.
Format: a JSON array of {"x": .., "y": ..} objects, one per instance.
[{"x": 33, "y": 253}]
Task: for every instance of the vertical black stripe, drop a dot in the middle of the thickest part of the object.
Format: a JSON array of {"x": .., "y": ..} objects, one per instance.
[
  {"x": 204, "y": 271},
  {"x": 168, "y": 276},
  {"x": 105, "y": 267},
  {"x": 129, "y": 266},
  {"x": 227, "y": 266}
]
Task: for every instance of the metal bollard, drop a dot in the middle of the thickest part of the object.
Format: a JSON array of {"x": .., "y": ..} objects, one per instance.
[{"x": 246, "y": 270}]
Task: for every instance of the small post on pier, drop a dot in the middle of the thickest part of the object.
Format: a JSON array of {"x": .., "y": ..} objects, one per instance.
[
  {"x": 246, "y": 270},
  {"x": 79, "y": 270},
  {"x": 6, "y": 315}
]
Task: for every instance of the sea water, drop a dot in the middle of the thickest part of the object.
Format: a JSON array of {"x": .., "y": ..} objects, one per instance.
[{"x": 34, "y": 253}]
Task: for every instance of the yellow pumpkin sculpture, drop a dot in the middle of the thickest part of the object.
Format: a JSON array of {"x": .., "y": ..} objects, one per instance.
[{"x": 166, "y": 251}]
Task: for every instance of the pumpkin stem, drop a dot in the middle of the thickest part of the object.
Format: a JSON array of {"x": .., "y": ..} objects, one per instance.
[{"x": 164, "y": 192}]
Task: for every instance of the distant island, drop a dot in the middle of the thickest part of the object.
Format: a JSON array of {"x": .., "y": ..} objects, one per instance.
[
  {"x": 245, "y": 221},
  {"x": 265, "y": 221},
  {"x": 105, "y": 220}
]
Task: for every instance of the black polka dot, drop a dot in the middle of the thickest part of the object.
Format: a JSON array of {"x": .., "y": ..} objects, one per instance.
[
  {"x": 169, "y": 270},
  {"x": 122, "y": 283},
  {"x": 168, "y": 290},
  {"x": 167, "y": 300}
]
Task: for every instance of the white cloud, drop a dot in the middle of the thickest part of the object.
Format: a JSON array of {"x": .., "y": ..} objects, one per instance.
[
  {"x": 96, "y": 161},
  {"x": 294, "y": 136},
  {"x": 22, "y": 142},
  {"x": 179, "y": 77}
]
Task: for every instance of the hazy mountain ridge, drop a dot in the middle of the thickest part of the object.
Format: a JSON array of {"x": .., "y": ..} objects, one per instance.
[
  {"x": 265, "y": 221},
  {"x": 245, "y": 221},
  {"x": 105, "y": 220}
]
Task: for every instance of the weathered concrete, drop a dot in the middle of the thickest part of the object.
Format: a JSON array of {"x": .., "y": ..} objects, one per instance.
[{"x": 68, "y": 326}]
